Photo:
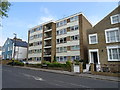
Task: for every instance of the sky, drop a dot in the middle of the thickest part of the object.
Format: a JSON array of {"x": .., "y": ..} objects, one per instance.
[{"x": 24, "y": 15}]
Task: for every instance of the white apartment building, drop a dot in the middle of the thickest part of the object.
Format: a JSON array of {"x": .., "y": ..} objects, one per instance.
[{"x": 63, "y": 40}]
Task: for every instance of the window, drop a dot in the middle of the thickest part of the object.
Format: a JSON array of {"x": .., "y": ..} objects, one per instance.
[
  {"x": 115, "y": 19},
  {"x": 72, "y": 28},
  {"x": 113, "y": 53},
  {"x": 76, "y": 47},
  {"x": 61, "y": 40},
  {"x": 61, "y": 23},
  {"x": 112, "y": 35},
  {"x": 76, "y": 37},
  {"x": 61, "y": 32},
  {"x": 61, "y": 49},
  {"x": 61, "y": 58},
  {"x": 75, "y": 58},
  {"x": 3, "y": 49},
  {"x": 93, "y": 39},
  {"x": 73, "y": 18}
]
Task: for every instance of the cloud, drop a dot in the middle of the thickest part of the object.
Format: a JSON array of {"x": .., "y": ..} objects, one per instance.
[{"x": 45, "y": 16}]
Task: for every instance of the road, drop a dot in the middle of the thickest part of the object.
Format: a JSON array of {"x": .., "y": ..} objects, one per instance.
[{"x": 14, "y": 77}]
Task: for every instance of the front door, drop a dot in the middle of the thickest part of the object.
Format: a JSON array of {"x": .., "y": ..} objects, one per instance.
[{"x": 93, "y": 53}]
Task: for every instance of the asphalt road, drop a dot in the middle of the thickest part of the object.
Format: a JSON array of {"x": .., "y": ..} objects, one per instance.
[{"x": 13, "y": 77}]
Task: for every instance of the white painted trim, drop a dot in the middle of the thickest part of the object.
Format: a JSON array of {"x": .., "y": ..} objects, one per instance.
[
  {"x": 111, "y": 47},
  {"x": 90, "y": 38},
  {"x": 114, "y": 16},
  {"x": 90, "y": 58},
  {"x": 111, "y": 29}
]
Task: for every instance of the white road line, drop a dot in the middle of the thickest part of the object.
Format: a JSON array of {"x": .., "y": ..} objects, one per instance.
[
  {"x": 6, "y": 70},
  {"x": 73, "y": 84},
  {"x": 35, "y": 77}
]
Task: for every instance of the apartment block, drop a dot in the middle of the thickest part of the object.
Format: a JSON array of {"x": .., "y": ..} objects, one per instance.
[
  {"x": 104, "y": 40},
  {"x": 61, "y": 40}
]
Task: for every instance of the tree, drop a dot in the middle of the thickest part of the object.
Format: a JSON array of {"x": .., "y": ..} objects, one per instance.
[{"x": 4, "y": 7}]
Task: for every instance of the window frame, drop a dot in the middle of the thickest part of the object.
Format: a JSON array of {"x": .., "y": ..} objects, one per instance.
[
  {"x": 112, "y": 29},
  {"x": 108, "y": 53},
  {"x": 111, "y": 18},
  {"x": 90, "y": 35}
]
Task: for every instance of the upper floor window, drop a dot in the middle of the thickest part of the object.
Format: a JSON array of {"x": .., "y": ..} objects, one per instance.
[
  {"x": 112, "y": 35},
  {"x": 93, "y": 39},
  {"x": 113, "y": 53},
  {"x": 115, "y": 19},
  {"x": 61, "y": 40},
  {"x": 75, "y": 37},
  {"x": 76, "y": 47},
  {"x": 61, "y": 49},
  {"x": 3, "y": 49},
  {"x": 61, "y": 23},
  {"x": 73, "y": 18},
  {"x": 62, "y": 31},
  {"x": 72, "y": 28}
]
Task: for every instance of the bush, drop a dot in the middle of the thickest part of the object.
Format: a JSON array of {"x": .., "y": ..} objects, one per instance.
[
  {"x": 77, "y": 62},
  {"x": 69, "y": 65},
  {"x": 15, "y": 62}
]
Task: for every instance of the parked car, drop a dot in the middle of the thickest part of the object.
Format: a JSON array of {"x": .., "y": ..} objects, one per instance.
[{"x": 22, "y": 61}]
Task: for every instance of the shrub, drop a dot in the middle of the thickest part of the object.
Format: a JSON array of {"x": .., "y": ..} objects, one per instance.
[
  {"x": 15, "y": 62},
  {"x": 76, "y": 62},
  {"x": 68, "y": 65}
]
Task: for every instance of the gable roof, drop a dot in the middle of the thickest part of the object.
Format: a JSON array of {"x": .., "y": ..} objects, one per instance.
[{"x": 19, "y": 43}]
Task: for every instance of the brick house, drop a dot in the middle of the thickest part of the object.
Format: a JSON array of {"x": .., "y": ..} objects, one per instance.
[{"x": 104, "y": 40}]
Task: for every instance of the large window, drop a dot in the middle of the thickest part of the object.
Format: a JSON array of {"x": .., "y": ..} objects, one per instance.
[
  {"x": 73, "y": 18},
  {"x": 93, "y": 39},
  {"x": 61, "y": 23},
  {"x": 62, "y": 31},
  {"x": 61, "y": 49},
  {"x": 36, "y": 36},
  {"x": 72, "y": 28},
  {"x": 75, "y": 37},
  {"x": 75, "y": 58},
  {"x": 61, "y": 58},
  {"x": 112, "y": 35},
  {"x": 61, "y": 40},
  {"x": 113, "y": 53},
  {"x": 76, "y": 47},
  {"x": 115, "y": 19},
  {"x": 35, "y": 51}
]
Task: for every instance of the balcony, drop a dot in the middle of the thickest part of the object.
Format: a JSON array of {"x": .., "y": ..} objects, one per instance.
[
  {"x": 48, "y": 38},
  {"x": 47, "y": 54},
  {"x": 48, "y": 30}
]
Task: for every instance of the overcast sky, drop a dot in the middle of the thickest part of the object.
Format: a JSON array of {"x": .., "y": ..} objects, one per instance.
[{"x": 24, "y": 15}]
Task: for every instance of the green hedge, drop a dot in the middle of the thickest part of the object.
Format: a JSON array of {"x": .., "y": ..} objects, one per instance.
[{"x": 17, "y": 63}]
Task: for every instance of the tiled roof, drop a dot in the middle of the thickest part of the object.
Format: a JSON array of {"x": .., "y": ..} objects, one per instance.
[{"x": 19, "y": 43}]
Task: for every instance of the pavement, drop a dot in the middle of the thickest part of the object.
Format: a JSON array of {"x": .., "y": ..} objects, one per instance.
[
  {"x": 88, "y": 75},
  {"x": 25, "y": 77}
]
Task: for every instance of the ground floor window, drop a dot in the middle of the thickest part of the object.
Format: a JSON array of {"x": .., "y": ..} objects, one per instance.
[
  {"x": 75, "y": 58},
  {"x": 113, "y": 53},
  {"x": 61, "y": 58},
  {"x": 37, "y": 58}
]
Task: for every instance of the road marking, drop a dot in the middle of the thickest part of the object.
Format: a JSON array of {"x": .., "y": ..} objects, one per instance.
[
  {"x": 6, "y": 70},
  {"x": 35, "y": 77},
  {"x": 73, "y": 84}
]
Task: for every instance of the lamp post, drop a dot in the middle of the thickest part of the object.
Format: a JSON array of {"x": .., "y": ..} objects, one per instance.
[{"x": 14, "y": 45}]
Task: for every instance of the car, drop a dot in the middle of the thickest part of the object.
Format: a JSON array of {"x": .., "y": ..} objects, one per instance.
[{"x": 22, "y": 61}]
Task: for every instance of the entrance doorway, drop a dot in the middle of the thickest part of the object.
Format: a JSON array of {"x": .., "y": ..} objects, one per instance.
[{"x": 94, "y": 58}]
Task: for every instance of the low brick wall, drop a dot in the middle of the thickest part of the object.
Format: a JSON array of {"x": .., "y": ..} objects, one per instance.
[
  {"x": 106, "y": 74},
  {"x": 4, "y": 62}
]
